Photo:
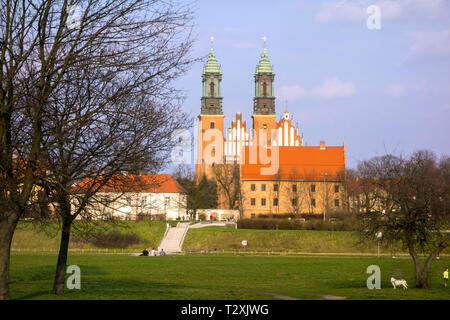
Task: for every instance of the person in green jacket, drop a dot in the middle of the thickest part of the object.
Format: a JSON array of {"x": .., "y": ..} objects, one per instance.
[{"x": 445, "y": 277}]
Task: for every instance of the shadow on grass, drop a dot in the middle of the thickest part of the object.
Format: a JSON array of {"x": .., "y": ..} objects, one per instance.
[{"x": 104, "y": 288}]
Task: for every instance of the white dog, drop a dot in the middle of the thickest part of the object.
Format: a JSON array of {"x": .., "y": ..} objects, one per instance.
[{"x": 401, "y": 282}]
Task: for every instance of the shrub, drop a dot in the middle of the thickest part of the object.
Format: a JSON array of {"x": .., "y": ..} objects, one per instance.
[
  {"x": 116, "y": 239},
  {"x": 348, "y": 224}
]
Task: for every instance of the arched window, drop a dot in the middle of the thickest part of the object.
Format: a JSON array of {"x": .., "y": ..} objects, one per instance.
[
  {"x": 211, "y": 88},
  {"x": 264, "y": 89}
]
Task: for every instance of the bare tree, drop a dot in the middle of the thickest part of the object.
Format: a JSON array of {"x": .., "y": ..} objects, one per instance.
[
  {"x": 227, "y": 177},
  {"x": 200, "y": 195},
  {"x": 409, "y": 202},
  {"x": 310, "y": 195},
  {"x": 275, "y": 191},
  {"x": 242, "y": 200},
  {"x": 349, "y": 181},
  {"x": 67, "y": 85}
]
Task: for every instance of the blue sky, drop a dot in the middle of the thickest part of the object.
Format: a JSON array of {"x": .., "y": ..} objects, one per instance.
[{"x": 380, "y": 91}]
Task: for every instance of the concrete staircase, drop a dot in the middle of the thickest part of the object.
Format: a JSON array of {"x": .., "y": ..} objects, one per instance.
[{"x": 174, "y": 237}]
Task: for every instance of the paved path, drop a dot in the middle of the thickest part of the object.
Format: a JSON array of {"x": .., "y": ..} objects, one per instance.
[
  {"x": 214, "y": 224},
  {"x": 330, "y": 297},
  {"x": 325, "y": 296},
  {"x": 280, "y": 296},
  {"x": 173, "y": 239}
]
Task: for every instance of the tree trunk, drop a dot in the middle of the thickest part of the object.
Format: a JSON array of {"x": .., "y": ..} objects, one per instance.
[
  {"x": 421, "y": 273},
  {"x": 423, "y": 278},
  {"x": 60, "y": 276},
  {"x": 8, "y": 224},
  {"x": 422, "y": 281}
]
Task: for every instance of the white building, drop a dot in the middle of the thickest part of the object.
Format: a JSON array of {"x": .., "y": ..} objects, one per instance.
[{"x": 146, "y": 196}]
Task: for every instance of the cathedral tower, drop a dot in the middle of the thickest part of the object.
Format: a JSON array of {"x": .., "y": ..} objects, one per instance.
[
  {"x": 264, "y": 116},
  {"x": 211, "y": 115},
  {"x": 211, "y": 84}
]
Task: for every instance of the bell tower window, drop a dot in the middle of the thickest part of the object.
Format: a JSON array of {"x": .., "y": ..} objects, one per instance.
[
  {"x": 211, "y": 88},
  {"x": 264, "y": 89}
]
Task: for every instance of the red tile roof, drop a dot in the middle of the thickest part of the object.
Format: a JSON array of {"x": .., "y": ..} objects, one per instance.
[
  {"x": 299, "y": 162},
  {"x": 152, "y": 183}
]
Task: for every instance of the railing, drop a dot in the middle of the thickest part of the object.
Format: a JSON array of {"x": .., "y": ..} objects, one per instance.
[
  {"x": 208, "y": 251},
  {"x": 165, "y": 233},
  {"x": 180, "y": 245}
]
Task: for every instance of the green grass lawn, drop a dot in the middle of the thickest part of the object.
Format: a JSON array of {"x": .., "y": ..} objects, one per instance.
[
  {"x": 304, "y": 241},
  {"x": 29, "y": 236},
  {"x": 32, "y": 237},
  {"x": 229, "y": 238},
  {"x": 218, "y": 276}
]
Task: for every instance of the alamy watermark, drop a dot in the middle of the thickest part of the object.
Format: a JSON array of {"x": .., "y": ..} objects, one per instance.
[
  {"x": 209, "y": 144},
  {"x": 73, "y": 17},
  {"x": 374, "y": 20},
  {"x": 74, "y": 280},
  {"x": 373, "y": 281}
]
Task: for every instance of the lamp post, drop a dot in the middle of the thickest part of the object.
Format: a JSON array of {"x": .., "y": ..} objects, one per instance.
[{"x": 379, "y": 235}]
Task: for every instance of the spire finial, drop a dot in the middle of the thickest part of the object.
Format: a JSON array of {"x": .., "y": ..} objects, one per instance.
[
  {"x": 264, "y": 65},
  {"x": 211, "y": 51},
  {"x": 211, "y": 65}
]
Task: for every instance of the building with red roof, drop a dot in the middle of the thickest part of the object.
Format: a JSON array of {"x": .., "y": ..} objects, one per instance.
[
  {"x": 278, "y": 174},
  {"x": 135, "y": 196}
]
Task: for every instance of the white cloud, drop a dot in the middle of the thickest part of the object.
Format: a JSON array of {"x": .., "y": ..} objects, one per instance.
[
  {"x": 340, "y": 11},
  {"x": 434, "y": 43},
  {"x": 395, "y": 90},
  {"x": 332, "y": 88},
  {"x": 428, "y": 8},
  {"x": 445, "y": 107},
  {"x": 355, "y": 10},
  {"x": 423, "y": 87},
  {"x": 291, "y": 93}
]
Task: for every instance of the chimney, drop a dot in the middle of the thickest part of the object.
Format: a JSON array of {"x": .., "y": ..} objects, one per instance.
[{"x": 322, "y": 145}]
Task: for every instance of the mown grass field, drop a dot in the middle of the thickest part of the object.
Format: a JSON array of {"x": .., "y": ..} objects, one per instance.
[
  {"x": 30, "y": 237},
  {"x": 218, "y": 276},
  {"x": 228, "y": 238},
  {"x": 304, "y": 241}
]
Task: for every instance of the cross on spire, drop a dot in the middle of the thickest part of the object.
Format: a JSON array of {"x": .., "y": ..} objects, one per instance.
[
  {"x": 265, "y": 39},
  {"x": 212, "y": 40}
]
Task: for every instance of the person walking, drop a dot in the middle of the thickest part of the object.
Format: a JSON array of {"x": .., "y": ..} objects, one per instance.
[{"x": 445, "y": 277}]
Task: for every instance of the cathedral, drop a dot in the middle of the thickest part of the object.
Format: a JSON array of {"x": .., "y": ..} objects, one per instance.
[{"x": 266, "y": 169}]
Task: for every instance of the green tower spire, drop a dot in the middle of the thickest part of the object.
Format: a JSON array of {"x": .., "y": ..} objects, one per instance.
[
  {"x": 264, "y": 100},
  {"x": 212, "y": 66},
  {"x": 212, "y": 81},
  {"x": 264, "y": 65}
]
